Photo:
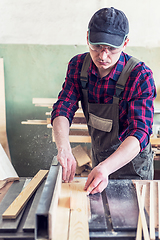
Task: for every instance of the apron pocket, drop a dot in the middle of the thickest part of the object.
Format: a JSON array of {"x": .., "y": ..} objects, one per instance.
[{"x": 100, "y": 123}]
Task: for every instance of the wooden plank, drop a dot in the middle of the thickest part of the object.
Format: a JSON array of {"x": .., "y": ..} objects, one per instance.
[
  {"x": 79, "y": 126},
  {"x": 3, "y": 135},
  {"x": 77, "y": 138},
  {"x": 155, "y": 141},
  {"x": 152, "y": 211},
  {"x": 54, "y": 203},
  {"x": 7, "y": 171},
  {"x": 72, "y": 212},
  {"x": 35, "y": 122},
  {"x": 79, "y": 228},
  {"x": 141, "y": 210},
  {"x": 62, "y": 214},
  {"x": 80, "y": 155},
  {"x": 15, "y": 208},
  {"x": 44, "y": 100},
  {"x": 159, "y": 209},
  {"x": 139, "y": 226}
]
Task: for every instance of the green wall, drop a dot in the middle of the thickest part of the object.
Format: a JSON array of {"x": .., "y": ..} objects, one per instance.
[{"x": 38, "y": 71}]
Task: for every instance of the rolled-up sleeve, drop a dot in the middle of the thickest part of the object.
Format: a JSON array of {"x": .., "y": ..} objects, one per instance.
[
  {"x": 140, "y": 107},
  {"x": 69, "y": 96}
]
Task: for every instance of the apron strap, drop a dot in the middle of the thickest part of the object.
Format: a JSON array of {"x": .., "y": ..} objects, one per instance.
[
  {"x": 84, "y": 73},
  {"x": 132, "y": 62}
]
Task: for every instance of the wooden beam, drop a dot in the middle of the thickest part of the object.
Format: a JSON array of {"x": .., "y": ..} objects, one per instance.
[
  {"x": 80, "y": 155},
  {"x": 35, "y": 122},
  {"x": 15, "y": 208},
  {"x": 159, "y": 209},
  {"x": 155, "y": 141},
  {"x": 142, "y": 214},
  {"x": 139, "y": 226},
  {"x": 62, "y": 214},
  {"x": 78, "y": 228},
  {"x": 72, "y": 212},
  {"x": 152, "y": 212},
  {"x": 54, "y": 204}
]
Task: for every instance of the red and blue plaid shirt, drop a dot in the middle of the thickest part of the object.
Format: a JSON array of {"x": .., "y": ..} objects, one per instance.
[{"x": 136, "y": 104}]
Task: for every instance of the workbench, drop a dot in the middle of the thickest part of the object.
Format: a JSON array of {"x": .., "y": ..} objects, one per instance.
[{"x": 114, "y": 213}]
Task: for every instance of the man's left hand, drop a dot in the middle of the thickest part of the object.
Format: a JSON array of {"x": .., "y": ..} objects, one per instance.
[{"x": 97, "y": 180}]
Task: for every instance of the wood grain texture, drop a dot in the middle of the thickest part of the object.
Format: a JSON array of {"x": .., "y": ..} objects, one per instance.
[
  {"x": 15, "y": 208},
  {"x": 79, "y": 228},
  {"x": 62, "y": 214},
  {"x": 139, "y": 226},
  {"x": 159, "y": 209},
  {"x": 72, "y": 212},
  {"x": 142, "y": 214},
  {"x": 80, "y": 155},
  {"x": 152, "y": 211},
  {"x": 54, "y": 204}
]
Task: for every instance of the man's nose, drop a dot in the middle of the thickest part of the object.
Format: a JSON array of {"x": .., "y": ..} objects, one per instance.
[{"x": 104, "y": 53}]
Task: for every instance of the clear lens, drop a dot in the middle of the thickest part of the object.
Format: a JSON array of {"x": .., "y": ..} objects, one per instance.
[{"x": 98, "y": 48}]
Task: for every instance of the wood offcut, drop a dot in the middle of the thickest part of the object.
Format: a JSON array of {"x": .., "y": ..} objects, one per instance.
[{"x": 17, "y": 205}]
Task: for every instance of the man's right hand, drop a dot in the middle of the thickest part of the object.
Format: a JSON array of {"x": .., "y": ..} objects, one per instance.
[{"x": 68, "y": 164}]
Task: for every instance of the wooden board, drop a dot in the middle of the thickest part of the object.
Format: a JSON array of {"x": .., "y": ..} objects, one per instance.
[
  {"x": 54, "y": 204},
  {"x": 155, "y": 141},
  {"x": 3, "y": 135},
  {"x": 72, "y": 212},
  {"x": 15, "y": 208},
  {"x": 7, "y": 171},
  {"x": 62, "y": 213},
  {"x": 80, "y": 155},
  {"x": 78, "y": 228}
]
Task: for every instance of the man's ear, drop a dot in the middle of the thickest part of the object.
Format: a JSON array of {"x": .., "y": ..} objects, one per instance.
[{"x": 126, "y": 42}]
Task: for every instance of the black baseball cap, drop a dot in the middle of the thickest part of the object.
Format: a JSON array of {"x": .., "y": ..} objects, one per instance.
[{"x": 108, "y": 26}]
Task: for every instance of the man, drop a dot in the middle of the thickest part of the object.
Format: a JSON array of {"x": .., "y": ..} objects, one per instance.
[{"x": 118, "y": 110}]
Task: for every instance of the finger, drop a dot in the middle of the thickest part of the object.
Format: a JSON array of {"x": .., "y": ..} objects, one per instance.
[
  {"x": 89, "y": 181},
  {"x": 93, "y": 185},
  {"x": 73, "y": 170},
  {"x": 64, "y": 173},
  {"x": 68, "y": 172},
  {"x": 100, "y": 187},
  {"x": 64, "y": 167}
]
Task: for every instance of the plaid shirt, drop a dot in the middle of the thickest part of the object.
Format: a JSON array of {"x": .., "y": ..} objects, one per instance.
[{"x": 136, "y": 104}]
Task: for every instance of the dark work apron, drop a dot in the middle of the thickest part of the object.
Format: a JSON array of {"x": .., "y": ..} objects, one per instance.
[{"x": 103, "y": 126}]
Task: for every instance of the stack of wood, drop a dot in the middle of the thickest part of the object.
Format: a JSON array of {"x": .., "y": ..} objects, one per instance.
[
  {"x": 83, "y": 158},
  {"x": 78, "y": 130}
]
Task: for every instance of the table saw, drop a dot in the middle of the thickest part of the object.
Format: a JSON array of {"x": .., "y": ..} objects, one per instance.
[{"x": 113, "y": 213}]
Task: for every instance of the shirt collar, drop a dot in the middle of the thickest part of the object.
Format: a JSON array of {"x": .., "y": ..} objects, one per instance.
[{"x": 115, "y": 72}]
